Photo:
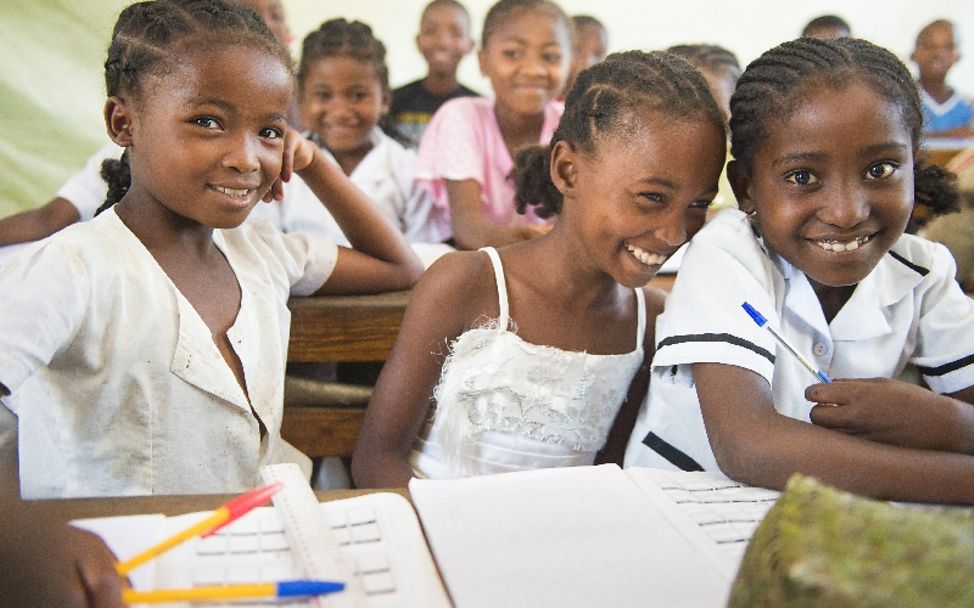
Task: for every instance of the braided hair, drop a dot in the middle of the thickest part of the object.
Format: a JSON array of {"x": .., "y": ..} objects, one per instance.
[
  {"x": 772, "y": 85},
  {"x": 502, "y": 10},
  {"x": 149, "y": 37},
  {"x": 355, "y": 40},
  {"x": 602, "y": 102}
]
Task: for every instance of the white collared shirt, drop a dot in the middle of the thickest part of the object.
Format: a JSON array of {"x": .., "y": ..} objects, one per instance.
[
  {"x": 908, "y": 318},
  {"x": 116, "y": 382},
  {"x": 385, "y": 175}
]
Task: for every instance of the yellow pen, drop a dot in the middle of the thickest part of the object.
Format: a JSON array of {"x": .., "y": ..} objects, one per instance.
[
  {"x": 283, "y": 589},
  {"x": 224, "y": 515}
]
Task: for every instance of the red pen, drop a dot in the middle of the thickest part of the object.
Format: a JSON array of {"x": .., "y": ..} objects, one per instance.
[{"x": 229, "y": 512}]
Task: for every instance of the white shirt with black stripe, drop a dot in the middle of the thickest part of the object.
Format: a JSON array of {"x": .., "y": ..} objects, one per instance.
[{"x": 908, "y": 319}]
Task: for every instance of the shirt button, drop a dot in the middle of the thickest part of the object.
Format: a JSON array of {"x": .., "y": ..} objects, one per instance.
[{"x": 820, "y": 349}]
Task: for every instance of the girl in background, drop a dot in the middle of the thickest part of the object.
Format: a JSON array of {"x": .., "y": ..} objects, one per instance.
[
  {"x": 825, "y": 136},
  {"x": 466, "y": 154},
  {"x": 143, "y": 352},
  {"x": 522, "y": 357},
  {"x": 343, "y": 87}
]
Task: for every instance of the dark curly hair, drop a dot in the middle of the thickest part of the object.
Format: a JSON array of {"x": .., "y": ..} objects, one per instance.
[
  {"x": 148, "y": 38},
  {"x": 601, "y": 101},
  {"x": 771, "y": 85}
]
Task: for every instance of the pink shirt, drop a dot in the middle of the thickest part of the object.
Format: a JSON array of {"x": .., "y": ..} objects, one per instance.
[{"x": 464, "y": 141}]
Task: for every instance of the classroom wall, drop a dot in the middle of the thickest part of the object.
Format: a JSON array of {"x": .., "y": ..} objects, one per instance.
[{"x": 51, "y": 87}]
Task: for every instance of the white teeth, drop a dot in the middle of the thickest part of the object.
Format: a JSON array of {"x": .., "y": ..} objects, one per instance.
[
  {"x": 647, "y": 258},
  {"x": 231, "y": 191},
  {"x": 840, "y": 246}
]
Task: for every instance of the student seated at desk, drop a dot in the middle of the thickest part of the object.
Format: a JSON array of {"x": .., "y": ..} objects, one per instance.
[
  {"x": 47, "y": 563},
  {"x": 143, "y": 352},
  {"x": 825, "y": 136},
  {"x": 536, "y": 346}
]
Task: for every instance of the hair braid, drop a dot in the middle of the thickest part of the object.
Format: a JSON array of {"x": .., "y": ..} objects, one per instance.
[{"x": 602, "y": 101}]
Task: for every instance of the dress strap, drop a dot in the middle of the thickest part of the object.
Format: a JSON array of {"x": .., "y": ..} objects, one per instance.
[
  {"x": 503, "y": 319},
  {"x": 640, "y": 317}
]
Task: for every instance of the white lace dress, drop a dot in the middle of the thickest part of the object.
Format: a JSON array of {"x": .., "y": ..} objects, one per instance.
[{"x": 503, "y": 404}]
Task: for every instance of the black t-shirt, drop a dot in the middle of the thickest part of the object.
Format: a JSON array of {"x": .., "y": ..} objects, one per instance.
[{"x": 413, "y": 106}]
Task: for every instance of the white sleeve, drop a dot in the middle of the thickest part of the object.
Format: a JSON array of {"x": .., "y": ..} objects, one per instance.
[
  {"x": 307, "y": 260},
  {"x": 86, "y": 189},
  {"x": 704, "y": 322},
  {"x": 44, "y": 295},
  {"x": 945, "y": 338}
]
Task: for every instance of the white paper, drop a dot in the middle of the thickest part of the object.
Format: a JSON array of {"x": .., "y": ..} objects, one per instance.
[{"x": 580, "y": 536}]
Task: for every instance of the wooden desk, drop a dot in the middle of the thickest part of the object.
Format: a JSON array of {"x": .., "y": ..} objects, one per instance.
[{"x": 80, "y": 508}]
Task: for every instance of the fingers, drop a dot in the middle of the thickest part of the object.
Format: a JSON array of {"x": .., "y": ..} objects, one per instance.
[{"x": 96, "y": 571}]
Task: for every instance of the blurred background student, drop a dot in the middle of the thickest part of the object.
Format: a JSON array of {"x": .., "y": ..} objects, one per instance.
[
  {"x": 443, "y": 41},
  {"x": 466, "y": 155},
  {"x": 946, "y": 111},
  {"x": 590, "y": 45},
  {"x": 827, "y": 26}
]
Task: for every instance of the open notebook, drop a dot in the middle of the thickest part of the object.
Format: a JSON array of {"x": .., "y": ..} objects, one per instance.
[
  {"x": 379, "y": 544},
  {"x": 589, "y": 536}
]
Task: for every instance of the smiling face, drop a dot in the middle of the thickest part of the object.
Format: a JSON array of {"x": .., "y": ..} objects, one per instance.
[
  {"x": 206, "y": 139},
  {"x": 642, "y": 193},
  {"x": 444, "y": 38},
  {"x": 832, "y": 184},
  {"x": 342, "y": 100},
  {"x": 936, "y": 51},
  {"x": 526, "y": 59}
]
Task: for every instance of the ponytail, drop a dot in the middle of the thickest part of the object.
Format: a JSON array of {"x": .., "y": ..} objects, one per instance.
[
  {"x": 117, "y": 175},
  {"x": 532, "y": 182}
]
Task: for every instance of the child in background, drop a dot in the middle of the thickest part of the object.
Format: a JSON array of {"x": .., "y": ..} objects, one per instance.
[
  {"x": 590, "y": 45},
  {"x": 829, "y": 27},
  {"x": 143, "y": 352},
  {"x": 443, "y": 40},
  {"x": 535, "y": 345},
  {"x": 825, "y": 136},
  {"x": 343, "y": 85},
  {"x": 946, "y": 112},
  {"x": 467, "y": 152},
  {"x": 84, "y": 192},
  {"x": 721, "y": 70},
  {"x": 956, "y": 230}
]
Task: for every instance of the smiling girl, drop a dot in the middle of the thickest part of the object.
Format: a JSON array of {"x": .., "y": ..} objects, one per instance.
[
  {"x": 825, "y": 135},
  {"x": 522, "y": 357},
  {"x": 143, "y": 352},
  {"x": 466, "y": 154}
]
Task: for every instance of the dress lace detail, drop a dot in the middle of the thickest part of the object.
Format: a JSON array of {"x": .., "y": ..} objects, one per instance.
[{"x": 495, "y": 382}]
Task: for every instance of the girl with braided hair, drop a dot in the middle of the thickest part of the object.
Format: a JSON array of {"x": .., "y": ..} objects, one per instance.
[
  {"x": 153, "y": 363},
  {"x": 522, "y": 357},
  {"x": 825, "y": 136},
  {"x": 344, "y": 95}
]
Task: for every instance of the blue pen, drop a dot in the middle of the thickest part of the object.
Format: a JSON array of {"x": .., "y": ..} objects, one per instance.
[{"x": 762, "y": 322}]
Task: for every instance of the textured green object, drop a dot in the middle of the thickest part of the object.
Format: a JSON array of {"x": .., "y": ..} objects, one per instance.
[{"x": 819, "y": 546}]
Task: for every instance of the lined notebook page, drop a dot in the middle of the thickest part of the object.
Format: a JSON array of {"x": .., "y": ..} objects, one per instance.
[{"x": 579, "y": 536}]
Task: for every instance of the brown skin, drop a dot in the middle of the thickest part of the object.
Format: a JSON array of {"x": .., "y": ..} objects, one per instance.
[
  {"x": 839, "y": 168},
  {"x": 38, "y": 223},
  {"x": 49, "y": 563},
  {"x": 571, "y": 288},
  {"x": 443, "y": 40}
]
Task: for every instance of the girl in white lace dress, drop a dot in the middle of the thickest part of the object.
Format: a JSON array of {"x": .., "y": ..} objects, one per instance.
[{"x": 523, "y": 357}]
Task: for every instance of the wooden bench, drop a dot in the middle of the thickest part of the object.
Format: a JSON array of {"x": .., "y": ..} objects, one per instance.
[{"x": 323, "y": 419}]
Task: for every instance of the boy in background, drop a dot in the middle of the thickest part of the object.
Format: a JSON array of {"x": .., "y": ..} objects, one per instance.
[
  {"x": 946, "y": 113},
  {"x": 443, "y": 40}
]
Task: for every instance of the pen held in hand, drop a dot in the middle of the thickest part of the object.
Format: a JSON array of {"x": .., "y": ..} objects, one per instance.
[{"x": 762, "y": 322}]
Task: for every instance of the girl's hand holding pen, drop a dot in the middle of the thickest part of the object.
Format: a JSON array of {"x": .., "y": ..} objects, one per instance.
[{"x": 893, "y": 412}]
